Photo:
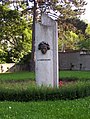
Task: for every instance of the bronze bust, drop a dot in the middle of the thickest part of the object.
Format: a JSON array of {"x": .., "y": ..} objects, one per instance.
[{"x": 43, "y": 46}]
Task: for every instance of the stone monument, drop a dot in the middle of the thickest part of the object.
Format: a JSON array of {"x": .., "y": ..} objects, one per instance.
[{"x": 46, "y": 52}]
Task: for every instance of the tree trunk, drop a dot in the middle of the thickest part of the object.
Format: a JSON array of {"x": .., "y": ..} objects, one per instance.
[{"x": 32, "y": 62}]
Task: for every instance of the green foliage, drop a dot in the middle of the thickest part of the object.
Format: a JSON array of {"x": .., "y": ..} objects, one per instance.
[
  {"x": 68, "y": 22},
  {"x": 15, "y": 34},
  {"x": 34, "y": 93},
  {"x": 78, "y": 24},
  {"x": 88, "y": 29},
  {"x": 85, "y": 43},
  {"x": 3, "y": 56},
  {"x": 70, "y": 42},
  {"x": 74, "y": 37}
]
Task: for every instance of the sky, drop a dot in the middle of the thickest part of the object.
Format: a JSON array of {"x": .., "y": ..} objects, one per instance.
[{"x": 86, "y": 16}]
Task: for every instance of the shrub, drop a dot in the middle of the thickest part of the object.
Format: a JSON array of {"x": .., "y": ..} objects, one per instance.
[{"x": 69, "y": 91}]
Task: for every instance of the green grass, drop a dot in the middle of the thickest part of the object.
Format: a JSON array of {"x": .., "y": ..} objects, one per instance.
[
  {"x": 17, "y": 76},
  {"x": 17, "y": 81},
  {"x": 21, "y": 86},
  {"x": 75, "y": 109},
  {"x": 77, "y": 75},
  {"x": 17, "y": 85},
  {"x": 60, "y": 109}
]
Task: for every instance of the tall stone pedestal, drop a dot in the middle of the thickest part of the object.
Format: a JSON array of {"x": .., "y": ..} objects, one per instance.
[{"x": 46, "y": 52}]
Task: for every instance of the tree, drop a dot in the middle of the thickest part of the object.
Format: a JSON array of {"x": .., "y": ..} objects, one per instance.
[
  {"x": 85, "y": 43},
  {"x": 70, "y": 42},
  {"x": 15, "y": 34},
  {"x": 79, "y": 25},
  {"x": 67, "y": 9},
  {"x": 70, "y": 21},
  {"x": 73, "y": 37}
]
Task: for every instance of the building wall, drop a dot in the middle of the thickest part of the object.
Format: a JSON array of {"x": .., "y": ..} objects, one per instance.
[
  {"x": 12, "y": 67},
  {"x": 67, "y": 61},
  {"x": 74, "y": 60}
]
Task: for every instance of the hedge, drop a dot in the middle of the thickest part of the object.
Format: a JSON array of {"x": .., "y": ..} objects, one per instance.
[{"x": 70, "y": 91}]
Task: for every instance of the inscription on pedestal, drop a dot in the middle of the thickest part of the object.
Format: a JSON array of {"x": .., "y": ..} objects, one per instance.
[{"x": 43, "y": 59}]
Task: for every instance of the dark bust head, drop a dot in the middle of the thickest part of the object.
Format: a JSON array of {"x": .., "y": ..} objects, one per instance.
[{"x": 43, "y": 46}]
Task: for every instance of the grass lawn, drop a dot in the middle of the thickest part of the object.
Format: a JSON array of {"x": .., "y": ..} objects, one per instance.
[
  {"x": 70, "y": 109},
  {"x": 24, "y": 80},
  {"x": 61, "y": 109},
  {"x": 81, "y": 75},
  {"x": 17, "y": 76}
]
